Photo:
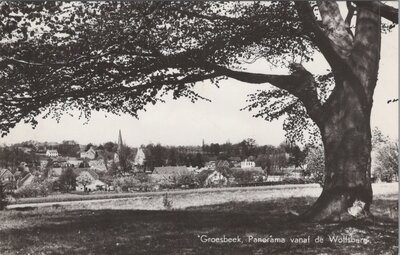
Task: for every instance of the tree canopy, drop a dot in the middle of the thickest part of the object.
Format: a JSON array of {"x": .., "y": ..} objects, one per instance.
[{"x": 120, "y": 56}]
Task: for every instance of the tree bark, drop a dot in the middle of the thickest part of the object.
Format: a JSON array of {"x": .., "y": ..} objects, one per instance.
[
  {"x": 345, "y": 128},
  {"x": 346, "y": 135}
]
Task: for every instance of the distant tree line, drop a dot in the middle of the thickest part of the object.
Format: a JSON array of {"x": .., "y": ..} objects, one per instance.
[{"x": 11, "y": 157}]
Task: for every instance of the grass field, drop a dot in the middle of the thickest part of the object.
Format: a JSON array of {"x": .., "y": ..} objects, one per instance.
[
  {"x": 67, "y": 197},
  {"x": 62, "y": 231}
]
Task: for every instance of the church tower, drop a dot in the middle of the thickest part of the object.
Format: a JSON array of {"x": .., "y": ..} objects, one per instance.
[{"x": 120, "y": 144}]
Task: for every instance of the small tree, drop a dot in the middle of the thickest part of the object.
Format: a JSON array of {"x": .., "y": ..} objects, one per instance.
[
  {"x": 84, "y": 180},
  {"x": 387, "y": 163},
  {"x": 84, "y": 164},
  {"x": 315, "y": 162},
  {"x": 67, "y": 180},
  {"x": 113, "y": 169}
]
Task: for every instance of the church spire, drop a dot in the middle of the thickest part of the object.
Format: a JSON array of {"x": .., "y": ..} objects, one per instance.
[{"x": 120, "y": 144}]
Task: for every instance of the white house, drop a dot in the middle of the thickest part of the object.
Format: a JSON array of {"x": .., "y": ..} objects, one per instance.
[
  {"x": 274, "y": 178},
  {"x": 139, "y": 158},
  {"x": 52, "y": 153},
  {"x": 247, "y": 164}
]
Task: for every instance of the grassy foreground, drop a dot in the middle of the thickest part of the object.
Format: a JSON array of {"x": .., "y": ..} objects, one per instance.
[{"x": 62, "y": 231}]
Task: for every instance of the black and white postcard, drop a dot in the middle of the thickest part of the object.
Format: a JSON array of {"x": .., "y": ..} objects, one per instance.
[{"x": 199, "y": 127}]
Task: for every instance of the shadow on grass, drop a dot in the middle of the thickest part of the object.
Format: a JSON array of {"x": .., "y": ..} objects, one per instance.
[{"x": 59, "y": 231}]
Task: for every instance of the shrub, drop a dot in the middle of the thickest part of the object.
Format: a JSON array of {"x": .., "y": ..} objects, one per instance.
[
  {"x": 202, "y": 177},
  {"x": 34, "y": 189},
  {"x": 315, "y": 161},
  {"x": 187, "y": 180},
  {"x": 167, "y": 202},
  {"x": 126, "y": 183},
  {"x": 3, "y": 196},
  {"x": 67, "y": 180}
]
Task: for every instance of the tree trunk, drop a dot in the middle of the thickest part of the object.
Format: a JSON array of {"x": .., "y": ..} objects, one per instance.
[{"x": 346, "y": 136}]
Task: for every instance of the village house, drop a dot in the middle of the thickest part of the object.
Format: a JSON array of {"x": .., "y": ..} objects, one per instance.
[
  {"x": 98, "y": 164},
  {"x": 247, "y": 164},
  {"x": 222, "y": 164},
  {"x": 52, "y": 153},
  {"x": 74, "y": 162},
  {"x": 274, "y": 178},
  {"x": 7, "y": 178},
  {"x": 89, "y": 154},
  {"x": 140, "y": 158},
  {"x": 210, "y": 165}
]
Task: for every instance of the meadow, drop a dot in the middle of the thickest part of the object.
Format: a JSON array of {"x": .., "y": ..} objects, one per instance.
[{"x": 260, "y": 225}]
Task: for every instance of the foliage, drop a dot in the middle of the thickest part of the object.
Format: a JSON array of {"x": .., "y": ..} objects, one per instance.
[
  {"x": 110, "y": 147},
  {"x": 139, "y": 52},
  {"x": 67, "y": 180},
  {"x": 315, "y": 162},
  {"x": 378, "y": 138},
  {"x": 387, "y": 162},
  {"x": 88, "y": 146},
  {"x": 275, "y": 103},
  {"x": 68, "y": 149},
  {"x": 84, "y": 164},
  {"x": 142, "y": 177},
  {"x": 120, "y": 56},
  {"x": 273, "y": 159},
  {"x": 245, "y": 176},
  {"x": 3, "y": 196},
  {"x": 113, "y": 169},
  {"x": 202, "y": 177},
  {"x": 84, "y": 179},
  {"x": 297, "y": 156},
  {"x": 126, "y": 183},
  {"x": 247, "y": 147},
  {"x": 34, "y": 189},
  {"x": 124, "y": 159},
  {"x": 188, "y": 180},
  {"x": 12, "y": 156},
  {"x": 159, "y": 155}
]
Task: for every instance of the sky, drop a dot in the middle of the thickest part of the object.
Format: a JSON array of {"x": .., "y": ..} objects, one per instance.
[{"x": 180, "y": 122}]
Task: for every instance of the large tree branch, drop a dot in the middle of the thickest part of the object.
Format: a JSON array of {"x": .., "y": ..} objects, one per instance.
[
  {"x": 300, "y": 83},
  {"x": 319, "y": 37},
  {"x": 386, "y": 11},
  {"x": 335, "y": 28}
]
